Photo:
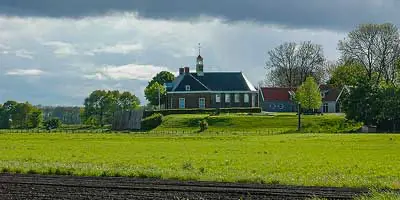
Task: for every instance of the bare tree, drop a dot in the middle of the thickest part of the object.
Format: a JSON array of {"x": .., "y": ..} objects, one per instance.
[
  {"x": 376, "y": 47},
  {"x": 290, "y": 64}
]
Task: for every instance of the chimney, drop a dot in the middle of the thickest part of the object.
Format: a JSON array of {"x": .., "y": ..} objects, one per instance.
[
  {"x": 187, "y": 70},
  {"x": 181, "y": 70}
]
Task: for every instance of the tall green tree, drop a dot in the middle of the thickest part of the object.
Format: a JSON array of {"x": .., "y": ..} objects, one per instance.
[
  {"x": 346, "y": 74},
  {"x": 309, "y": 95},
  {"x": 152, "y": 94},
  {"x": 35, "y": 118},
  {"x": 161, "y": 78}
]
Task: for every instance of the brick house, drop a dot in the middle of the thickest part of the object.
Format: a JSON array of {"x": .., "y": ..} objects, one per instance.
[
  {"x": 277, "y": 99},
  {"x": 210, "y": 89}
]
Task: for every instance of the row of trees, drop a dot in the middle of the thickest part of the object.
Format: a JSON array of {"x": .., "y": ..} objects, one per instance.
[{"x": 19, "y": 115}]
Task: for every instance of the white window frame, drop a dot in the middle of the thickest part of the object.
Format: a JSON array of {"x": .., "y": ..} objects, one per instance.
[
  {"x": 246, "y": 98},
  {"x": 184, "y": 103},
  {"x": 325, "y": 105},
  {"x": 204, "y": 102},
  {"x": 281, "y": 106},
  {"x": 237, "y": 98},
  {"x": 218, "y": 98},
  {"x": 253, "y": 100},
  {"x": 323, "y": 94},
  {"x": 227, "y": 98},
  {"x": 187, "y": 87}
]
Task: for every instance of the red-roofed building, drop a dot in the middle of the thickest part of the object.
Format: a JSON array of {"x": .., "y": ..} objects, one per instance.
[{"x": 278, "y": 99}]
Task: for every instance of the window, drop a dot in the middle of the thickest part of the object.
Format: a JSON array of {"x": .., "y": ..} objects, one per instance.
[
  {"x": 217, "y": 98},
  {"x": 227, "y": 98},
  {"x": 325, "y": 108},
  {"x": 187, "y": 87},
  {"x": 323, "y": 94},
  {"x": 181, "y": 102},
  {"x": 202, "y": 103},
  {"x": 237, "y": 98},
  {"x": 246, "y": 98},
  {"x": 281, "y": 106},
  {"x": 253, "y": 100}
]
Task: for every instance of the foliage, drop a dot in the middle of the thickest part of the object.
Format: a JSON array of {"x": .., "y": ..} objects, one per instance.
[
  {"x": 203, "y": 125},
  {"x": 102, "y": 105},
  {"x": 204, "y": 111},
  {"x": 290, "y": 63},
  {"x": 35, "y": 118},
  {"x": 309, "y": 95},
  {"x": 155, "y": 92},
  {"x": 152, "y": 122},
  {"x": 158, "y": 81},
  {"x": 376, "y": 47},
  {"x": 67, "y": 115},
  {"x": 347, "y": 74},
  {"x": 343, "y": 160},
  {"x": 19, "y": 115},
  {"x": 52, "y": 124}
]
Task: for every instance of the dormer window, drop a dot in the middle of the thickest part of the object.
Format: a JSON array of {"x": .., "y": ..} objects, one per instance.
[
  {"x": 187, "y": 87},
  {"x": 323, "y": 94}
]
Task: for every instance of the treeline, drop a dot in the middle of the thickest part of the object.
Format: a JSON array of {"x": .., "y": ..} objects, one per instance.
[
  {"x": 19, "y": 115},
  {"x": 67, "y": 115}
]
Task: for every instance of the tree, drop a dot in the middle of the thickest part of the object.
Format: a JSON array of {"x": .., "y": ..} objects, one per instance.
[
  {"x": 161, "y": 78},
  {"x": 52, "y": 124},
  {"x": 34, "y": 118},
  {"x": 347, "y": 74},
  {"x": 152, "y": 93},
  {"x": 376, "y": 47},
  {"x": 290, "y": 64},
  {"x": 309, "y": 95},
  {"x": 101, "y": 105},
  {"x": 4, "y": 118}
]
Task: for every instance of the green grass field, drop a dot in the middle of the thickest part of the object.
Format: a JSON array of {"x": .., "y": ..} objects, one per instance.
[{"x": 353, "y": 160}]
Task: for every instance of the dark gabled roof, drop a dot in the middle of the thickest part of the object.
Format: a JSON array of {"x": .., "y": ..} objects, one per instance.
[
  {"x": 214, "y": 81},
  {"x": 195, "y": 85},
  {"x": 331, "y": 93}
]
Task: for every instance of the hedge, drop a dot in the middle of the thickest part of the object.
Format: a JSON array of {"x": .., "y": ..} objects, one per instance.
[
  {"x": 151, "y": 122},
  {"x": 203, "y": 111}
]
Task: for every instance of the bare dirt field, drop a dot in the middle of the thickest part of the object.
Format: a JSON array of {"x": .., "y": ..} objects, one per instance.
[{"x": 15, "y": 186}]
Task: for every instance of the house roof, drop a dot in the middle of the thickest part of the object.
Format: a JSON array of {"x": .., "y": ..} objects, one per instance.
[
  {"x": 275, "y": 94},
  {"x": 213, "y": 81},
  {"x": 282, "y": 93}
]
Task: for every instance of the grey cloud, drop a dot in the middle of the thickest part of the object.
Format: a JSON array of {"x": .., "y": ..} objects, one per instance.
[{"x": 337, "y": 14}]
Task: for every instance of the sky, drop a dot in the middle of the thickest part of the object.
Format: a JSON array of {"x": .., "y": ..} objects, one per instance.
[{"x": 57, "y": 52}]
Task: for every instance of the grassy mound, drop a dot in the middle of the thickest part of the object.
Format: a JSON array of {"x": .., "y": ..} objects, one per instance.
[{"x": 258, "y": 123}]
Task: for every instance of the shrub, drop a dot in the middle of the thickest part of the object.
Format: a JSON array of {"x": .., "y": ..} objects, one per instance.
[
  {"x": 152, "y": 122},
  {"x": 52, "y": 124},
  {"x": 203, "y": 125}
]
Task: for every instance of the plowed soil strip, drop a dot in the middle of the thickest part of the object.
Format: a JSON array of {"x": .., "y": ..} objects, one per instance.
[{"x": 16, "y": 186}]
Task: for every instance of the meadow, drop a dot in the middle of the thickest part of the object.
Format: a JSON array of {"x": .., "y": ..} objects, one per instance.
[{"x": 352, "y": 160}]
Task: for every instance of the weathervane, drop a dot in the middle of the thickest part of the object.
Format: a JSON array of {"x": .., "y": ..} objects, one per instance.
[{"x": 199, "y": 48}]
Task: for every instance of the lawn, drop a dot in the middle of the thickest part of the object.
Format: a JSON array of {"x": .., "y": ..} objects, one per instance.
[{"x": 297, "y": 159}]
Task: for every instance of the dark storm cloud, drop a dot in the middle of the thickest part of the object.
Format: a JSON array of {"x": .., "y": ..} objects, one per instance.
[{"x": 330, "y": 14}]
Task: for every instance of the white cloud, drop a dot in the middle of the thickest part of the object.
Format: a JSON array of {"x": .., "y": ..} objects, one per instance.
[
  {"x": 25, "y": 72},
  {"x": 119, "y": 44},
  {"x": 116, "y": 49},
  {"x": 22, "y": 53},
  {"x": 130, "y": 71},
  {"x": 62, "y": 49}
]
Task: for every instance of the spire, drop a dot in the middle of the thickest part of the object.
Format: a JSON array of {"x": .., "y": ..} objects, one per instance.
[
  {"x": 199, "y": 48},
  {"x": 199, "y": 64}
]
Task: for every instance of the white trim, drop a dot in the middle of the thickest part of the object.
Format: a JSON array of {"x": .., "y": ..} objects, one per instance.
[
  {"x": 236, "y": 100},
  {"x": 212, "y": 92},
  {"x": 246, "y": 97},
  {"x": 219, "y": 98},
  {"x": 251, "y": 86},
  {"x": 340, "y": 94}
]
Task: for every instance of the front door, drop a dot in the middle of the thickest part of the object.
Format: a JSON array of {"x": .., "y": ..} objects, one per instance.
[
  {"x": 253, "y": 101},
  {"x": 181, "y": 103},
  {"x": 202, "y": 103}
]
